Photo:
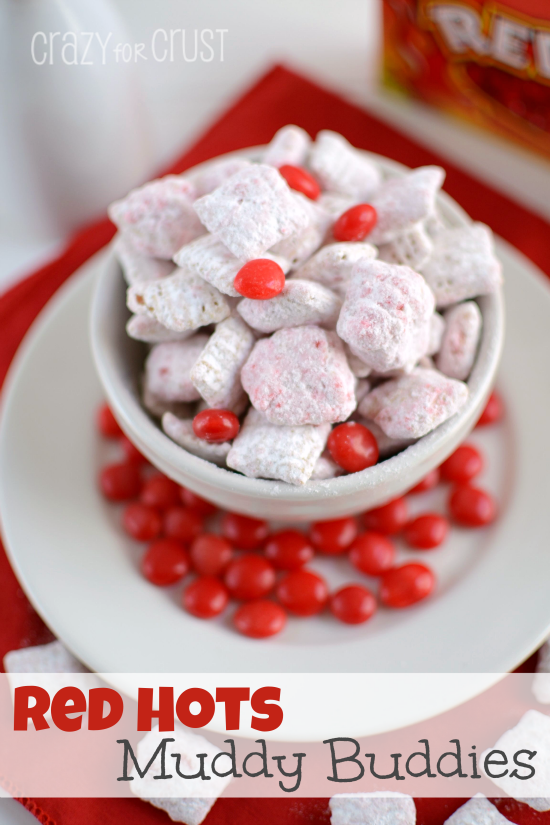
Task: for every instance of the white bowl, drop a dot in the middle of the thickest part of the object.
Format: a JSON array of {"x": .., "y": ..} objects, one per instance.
[{"x": 119, "y": 361}]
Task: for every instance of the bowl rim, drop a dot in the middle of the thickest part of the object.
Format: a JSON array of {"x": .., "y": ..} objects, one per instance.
[{"x": 162, "y": 450}]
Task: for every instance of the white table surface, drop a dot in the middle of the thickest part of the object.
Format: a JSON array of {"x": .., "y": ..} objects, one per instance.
[{"x": 335, "y": 42}]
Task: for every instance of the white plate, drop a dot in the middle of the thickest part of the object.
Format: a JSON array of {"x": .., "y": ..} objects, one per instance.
[{"x": 492, "y": 606}]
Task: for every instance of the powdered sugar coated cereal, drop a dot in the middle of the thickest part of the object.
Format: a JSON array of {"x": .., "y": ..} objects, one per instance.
[
  {"x": 300, "y": 302},
  {"x": 459, "y": 344},
  {"x": 286, "y": 453},
  {"x": 372, "y": 809},
  {"x": 402, "y": 202},
  {"x": 157, "y": 406},
  {"x": 413, "y": 405},
  {"x": 386, "y": 315},
  {"x": 138, "y": 268},
  {"x": 299, "y": 247},
  {"x": 325, "y": 468},
  {"x": 437, "y": 328},
  {"x": 158, "y": 218},
  {"x": 333, "y": 264},
  {"x": 477, "y": 811},
  {"x": 182, "y": 301},
  {"x": 412, "y": 248},
  {"x": 181, "y": 431},
  {"x": 217, "y": 371},
  {"x": 300, "y": 376},
  {"x": 386, "y": 446},
  {"x": 217, "y": 173},
  {"x": 290, "y": 145},
  {"x": 145, "y": 328},
  {"x": 189, "y": 800},
  {"x": 463, "y": 264},
  {"x": 212, "y": 261},
  {"x": 343, "y": 169},
  {"x": 335, "y": 204},
  {"x": 168, "y": 369},
  {"x": 252, "y": 211}
]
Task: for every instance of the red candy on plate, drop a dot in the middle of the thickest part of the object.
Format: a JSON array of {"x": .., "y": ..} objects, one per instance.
[
  {"x": 288, "y": 550},
  {"x": 182, "y": 523},
  {"x": 464, "y": 464},
  {"x": 301, "y": 180},
  {"x": 404, "y": 586},
  {"x": 131, "y": 452},
  {"x": 205, "y": 598},
  {"x": 165, "y": 562},
  {"x": 160, "y": 491},
  {"x": 199, "y": 505},
  {"x": 353, "y": 604},
  {"x": 427, "y": 531},
  {"x": 142, "y": 522},
  {"x": 216, "y": 426},
  {"x": 388, "y": 519},
  {"x": 260, "y": 279},
  {"x": 302, "y": 592},
  {"x": 428, "y": 483},
  {"x": 107, "y": 424},
  {"x": 210, "y": 554},
  {"x": 259, "y": 619},
  {"x": 493, "y": 412},
  {"x": 353, "y": 447},
  {"x": 249, "y": 577},
  {"x": 356, "y": 223},
  {"x": 333, "y": 537},
  {"x": 244, "y": 532},
  {"x": 120, "y": 482},
  {"x": 472, "y": 507},
  {"x": 372, "y": 553}
]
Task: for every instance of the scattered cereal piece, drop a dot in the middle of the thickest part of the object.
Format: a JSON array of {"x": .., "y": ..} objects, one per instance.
[
  {"x": 299, "y": 247},
  {"x": 290, "y": 145},
  {"x": 403, "y": 201},
  {"x": 413, "y": 405},
  {"x": 332, "y": 265},
  {"x": 156, "y": 406},
  {"x": 168, "y": 369},
  {"x": 372, "y": 809},
  {"x": 138, "y": 268},
  {"x": 300, "y": 303},
  {"x": 158, "y": 218},
  {"x": 532, "y": 732},
  {"x": 287, "y": 453},
  {"x": 437, "y": 328},
  {"x": 412, "y": 248},
  {"x": 343, "y": 169},
  {"x": 459, "y": 344},
  {"x": 463, "y": 264},
  {"x": 189, "y": 800},
  {"x": 477, "y": 811},
  {"x": 252, "y": 211},
  {"x": 212, "y": 261},
  {"x": 50, "y": 658},
  {"x": 145, "y": 328},
  {"x": 181, "y": 431},
  {"x": 386, "y": 315},
  {"x": 325, "y": 468},
  {"x": 180, "y": 302},
  {"x": 300, "y": 376},
  {"x": 386, "y": 446},
  {"x": 217, "y": 371},
  {"x": 217, "y": 173}
]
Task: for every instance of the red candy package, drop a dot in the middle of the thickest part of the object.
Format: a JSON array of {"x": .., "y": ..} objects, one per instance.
[{"x": 486, "y": 61}]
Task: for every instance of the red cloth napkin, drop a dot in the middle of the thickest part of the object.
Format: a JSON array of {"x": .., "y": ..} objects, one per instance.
[{"x": 279, "y": 97}]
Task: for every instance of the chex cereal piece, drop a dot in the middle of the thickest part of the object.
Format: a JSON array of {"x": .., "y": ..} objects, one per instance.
[
  {"x": 386, "y": 446},
  {"x": 325, "y": 468},
  {"x": 299, "y": 247},
  {"x": 459, "y": 345},
  {"x": 252, "y": 211},
  {"x": 217, "y": 173},
  {"x": 300, "y": 376},
  {"x": 477, "y": 811},
  {"x": 168, "y": 369},
  {"x": 358, "y": 367},
  {"x": 341, "y": 168},
  {"x": 386, "y": 315},
  {"x": 361, "y": 389},
  {"x": 286, "y": 453},
  {"x": 217, "y": 371},
  {"x": 158, "y": 218},
  {"x": 463, "y": 264},
  {"x": 403, "y": 201},
  {"x": 50, "y": 658},
  {"x": 184, "y": 800},
  {"x": 290, "y": 145},
  {"x": 212, "y": 261},
  {"x": 437, "y": 328},
  {"x": 531, "y": 732},
  {"x": 372, "y": 809},
  {"x": 180, "y": 302},
  {"x": 333, "y": 264},
  {"x": 413, "y": 405},
  {"x": 138, "y": 268},
  {"x": 300, "y": 303},
  {"x": 335, "y": 204},
  {"x": 180, "y": 430},
  {"x": 541, "y": 682},
  {"x": 412, "y": 248},
  {"x": 156, "y": 406},
  {"x": 434, "y": 223},
  {"x": 145, "y": 328}
]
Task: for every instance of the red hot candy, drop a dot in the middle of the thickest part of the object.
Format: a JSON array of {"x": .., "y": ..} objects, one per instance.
[
  {"x": 356, "y": 223},
  {"x": 260, "y": 279},
  {"x": 301, "y": 180}
]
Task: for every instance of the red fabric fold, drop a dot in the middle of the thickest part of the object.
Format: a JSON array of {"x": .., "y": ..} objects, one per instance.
[{"x": 280, "y": 97}]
